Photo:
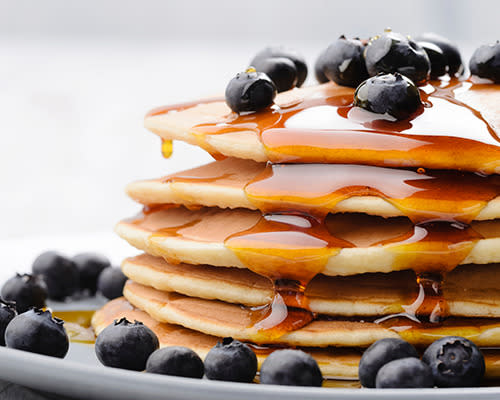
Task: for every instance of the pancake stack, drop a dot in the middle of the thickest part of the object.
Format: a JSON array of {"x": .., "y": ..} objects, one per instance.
[{"x": 323, "y": 227}]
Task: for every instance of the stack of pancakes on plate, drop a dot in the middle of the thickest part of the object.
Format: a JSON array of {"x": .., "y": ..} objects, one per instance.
[{"x": 322, "y": 226}]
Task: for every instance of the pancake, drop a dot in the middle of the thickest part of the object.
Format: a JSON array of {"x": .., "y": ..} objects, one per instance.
[
  {"x": 333, "y": 362},
  {"x": 222, "y": 319},
  {"x": 470, "y": 291},
  {"x": 346, "y": 244},
  {"x": 457, "y": 129},
  {"x": 323, "y": 188}
]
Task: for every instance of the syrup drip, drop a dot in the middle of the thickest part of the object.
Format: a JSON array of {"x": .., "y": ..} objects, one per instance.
[
  {"x": 166, "y": 148},
  {"x": 330, "y": 130}
]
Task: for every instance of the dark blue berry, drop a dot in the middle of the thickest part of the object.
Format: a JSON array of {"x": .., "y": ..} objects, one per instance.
[
  {"x": 455, "y": 362},
  {"x": 37, "y": 331},
  {"x": 110, "y": 282},
  {"x": 280, "y": 51},
  {"x": 126, "y": 345},
  {"x": 392, "y": 94},
  {"x": 405, "y": 373},
  {"x": 436, "y": 56},
  {"x": 485, "y": 62},
  {"x": 319, "y": 68},
  {"x": 176, "y": 361},
  {"x": 232, "y": 361},
  {"x": 292, "y": 368},
  {"x": 90, "y": 266},
  {"x": 250, "y": 91},
  {"x": 380, "y": 353},
  {"x": 345, "y": 63},
  {"x": 281, "y": 70},
  {"x": 26, "y": 291},
  {"x": 59, "y": 273},
  {"x": 392, "y": 52},
  {"x": 7, "y": 313},
  {"x": 450, "y": 51}
]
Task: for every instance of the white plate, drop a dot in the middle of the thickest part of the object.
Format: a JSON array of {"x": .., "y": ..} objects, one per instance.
[{"x": 81, "y": 376}]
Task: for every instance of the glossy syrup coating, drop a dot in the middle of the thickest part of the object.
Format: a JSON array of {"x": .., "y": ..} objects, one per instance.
[
  {"x": 26, "y": 291},
  {"x": 250, "y": 91},
  {"x": 319, "y": 66},
  {"x": 281, "y": 70},
  {"x": 438, "y": 61},
  {"x": 60, "y": 274},
  {"x": 344, "y": 62},
  {"x": 7, "y": 313},
  {"x": 37, "y": 331},
  {"x": 392, "y": 94},
  {"x": 451, "y": 53},
  {"x": 485, "y": 62},
  {"x": 127, "y": 345},
  {"x": 281, "y": 51},
  {"x": 455, "y": 362},
  {"x": 392, "y": 52}
]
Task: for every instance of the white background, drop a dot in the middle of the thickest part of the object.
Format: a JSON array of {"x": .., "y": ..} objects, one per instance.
[{"x": 77, "y": 77}]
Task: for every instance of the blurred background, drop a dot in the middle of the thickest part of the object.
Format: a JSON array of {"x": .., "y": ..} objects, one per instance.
[{"x": 77, "y": 77}]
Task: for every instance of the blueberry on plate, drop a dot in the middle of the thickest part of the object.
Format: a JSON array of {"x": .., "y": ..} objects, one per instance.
[
  {"x": 250, "y": 91},
  {"x": 60, "y": 274},
  {"x": 176, "y": 361},
  {"x": 90, "y": 266},
  {"x": 110, "y": 282},
  {"x": 407, "y": 372},
  {"x": 292, "y": 368},
  {"x": 281, "y": 70},
  {"x": 455, "y": 362},
  {"x": 126, "y": 345},
  {"x": 438, "y": 61},
  {"x": 319, "y": 67},
  {"x": 231, "y": 360},
  {"x": 280, "y": 51},
  {"x": 450, "y": 51},
  {"x": 380, "y": 353},
  {"x": 345, "y": 63},
  {"x": 26, "y": 291},
  {"x": 37, "y": 331},
  {"x": 392, "y": 94},
  {"x": 485, "y": 62},
  {"x": 7, "y": 313},
  {"x": 392, "y": 52}
]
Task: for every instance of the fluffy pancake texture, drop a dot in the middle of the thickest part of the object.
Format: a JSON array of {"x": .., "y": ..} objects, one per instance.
[
  {"x": 198, "y": 238},
  {"x": 470, "y": 291}
]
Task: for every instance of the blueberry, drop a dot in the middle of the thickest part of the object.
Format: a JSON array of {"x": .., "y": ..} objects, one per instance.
[
  {"x": 319, "y": 68},
  {"x": 437, "y": 58},
  {"x": 407, "y": 372},
  {"x": 485, "y": 62},
  {"x": 177, "y": 361},
  {"x": 280, "y": 51},
  {"x": 90, "y": 266},
  {"x": 345, "y": 63},
  {"x": 450, "y": 51},
  {"x": 281, "y": 70},
  {"x": 231, "y": 360},
  {"x": 392, "y": 94},
  {"x": 7, "y": 313},
  {"x": 250, "y": 91},
  {"x": 292, "y": 368},
  {"x": 37, "y": 331},
  {"x": 26, "y": 290},
  {"x": 110, "y": 283},
  {"x": 455, "y": 362},
  {"x": 380, "y": 353},
  {"x": 126, "y": 345},
  {"x": 59, "y": 273},
  {"x": 392, "y": 52}
]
